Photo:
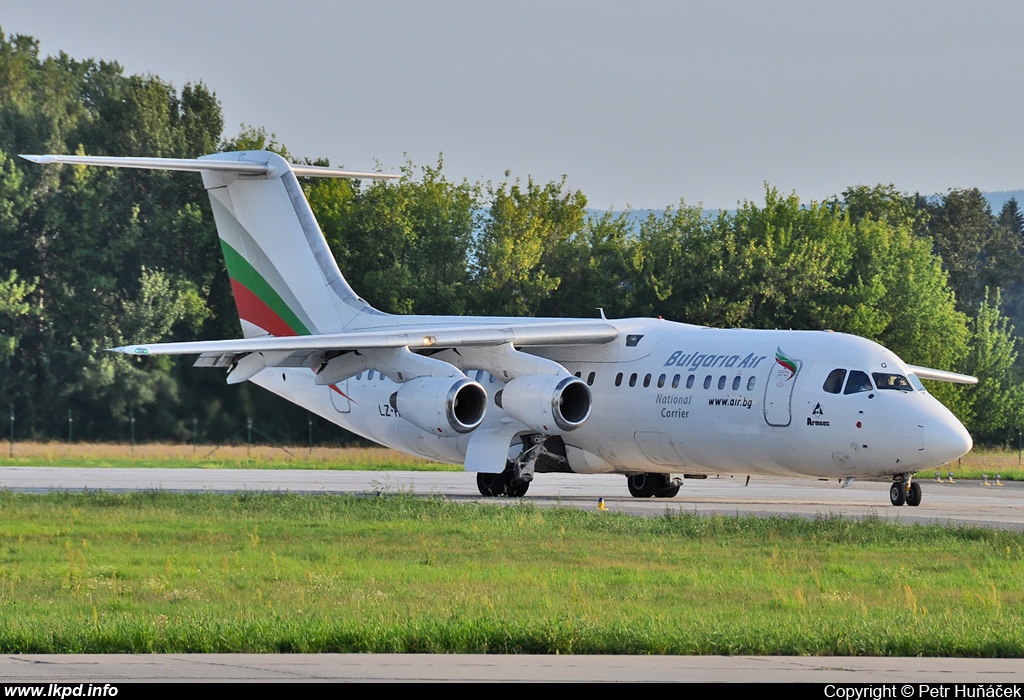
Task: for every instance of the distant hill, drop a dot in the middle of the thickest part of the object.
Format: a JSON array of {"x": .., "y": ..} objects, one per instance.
[{"x": 996, "y": 200}]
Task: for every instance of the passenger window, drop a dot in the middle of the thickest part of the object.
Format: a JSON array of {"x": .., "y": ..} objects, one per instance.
[
  {"x": 675, "y": 382},
  {"x": 834, "y": 382},
  {"x": 707, "y": 382},
  {"x": 590, "y": 379},
  {"x": 735, "y": 383},
  {"x": 661, "y": 381},
  {"x": 689, "y": 382},
  {"x": 647, "y": 381},
  {"x": 618, "y": 379},
  {"x": 857, "y": 383},
  {"x": 750, "y": 384},
  {"x": 721, "y": 382},
  {"x": 492, "y": 379},
  {"x": 632, "y": 379},
  {"x": 369, "y": 375},
  {"x": 578, "y": 374}
]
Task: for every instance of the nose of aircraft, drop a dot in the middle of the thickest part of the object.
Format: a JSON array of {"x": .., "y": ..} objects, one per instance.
[{"x": 946, "y": 438}]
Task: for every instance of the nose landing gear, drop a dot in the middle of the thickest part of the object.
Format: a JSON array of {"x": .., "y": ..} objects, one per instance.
[{"x": 905, "y": 491}]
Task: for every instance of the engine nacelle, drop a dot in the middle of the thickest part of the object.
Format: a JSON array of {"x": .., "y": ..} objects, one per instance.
[
  {"x": 441, "y": 405},
  {"x": 548, "y": 403}
]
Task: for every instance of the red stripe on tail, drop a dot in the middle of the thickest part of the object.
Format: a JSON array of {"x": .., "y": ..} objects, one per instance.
[{"x": 252, "y": 309}]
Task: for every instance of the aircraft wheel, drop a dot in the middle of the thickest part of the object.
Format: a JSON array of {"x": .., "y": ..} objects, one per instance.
[
  {"x": 669, "y": 492},
  {"x": 491, "y": 485},
  {"x": 914, "y": 494},
  {"x": 669, "y": 487},
  {"x": 494, "y": 485},
  {"x": 642, "y": 485},
  {"x": 897, "y": 493},
  {"x": 516, "y": 489}
]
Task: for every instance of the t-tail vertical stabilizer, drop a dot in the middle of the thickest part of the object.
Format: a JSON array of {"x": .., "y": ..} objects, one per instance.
[{"x": 284, "y": 278}]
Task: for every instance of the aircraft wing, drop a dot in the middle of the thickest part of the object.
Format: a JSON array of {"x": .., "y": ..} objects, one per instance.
[
  {"x": 940, "y": 375},
  {"x": 248, "y": 356},
  {"x": 568, "y": 332}
]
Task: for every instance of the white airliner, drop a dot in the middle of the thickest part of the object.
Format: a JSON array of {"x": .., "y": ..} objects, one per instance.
[{"x": 510, "y": 397}]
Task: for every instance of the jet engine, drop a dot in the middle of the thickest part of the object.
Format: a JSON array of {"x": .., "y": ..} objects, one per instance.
[
  {"x": 547, "y": 403},
  {"x": 441, "y": 405}
]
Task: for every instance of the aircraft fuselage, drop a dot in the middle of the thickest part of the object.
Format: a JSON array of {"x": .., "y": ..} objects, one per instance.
[{"x": 677, "y": 398}]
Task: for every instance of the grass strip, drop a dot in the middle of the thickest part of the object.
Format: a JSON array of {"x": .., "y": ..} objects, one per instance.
[
  {"x": 180, "y": 573},
  {"x": 176, "y": 456},
  {"x": 978, "y": 463}
]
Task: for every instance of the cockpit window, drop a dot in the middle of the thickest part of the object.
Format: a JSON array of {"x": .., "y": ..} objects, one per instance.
[
  {"x": 916, "y": 382},
  {"x": 891, "y": 381},
  {"x": 857, "y": 383},
  {"x": 834, "y": 382}
]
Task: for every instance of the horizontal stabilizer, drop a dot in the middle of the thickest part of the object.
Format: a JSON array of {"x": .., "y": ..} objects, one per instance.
[
  {"x": 940, "y": 375},
  {"x": 255, "y": 167}
]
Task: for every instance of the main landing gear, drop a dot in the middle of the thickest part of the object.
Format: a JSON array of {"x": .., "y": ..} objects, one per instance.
[
  {"x": 904, "y": 491},
  {"x": 659, "y": 485},
  {"x": 515, "y": 480},
  {"x": 503, "y": 484}
]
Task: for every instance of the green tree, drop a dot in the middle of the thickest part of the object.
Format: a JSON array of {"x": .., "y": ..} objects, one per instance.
[
  {"x": 881, "y": 203},
  {"x": 994, "y": 408},
  {"x": 528, "y": 231},
  {"x": 403, "y": 246},
  {"x": 595, "y": 270},
  {"x": 675, "y": 254},
  {"x": 82, "y": 235},
  {"x": 976, "y": 251},
  {"x": 15, "y": 309}
]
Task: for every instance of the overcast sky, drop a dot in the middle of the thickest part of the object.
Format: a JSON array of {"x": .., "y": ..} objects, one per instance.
[{"x": 638, "y": 103}]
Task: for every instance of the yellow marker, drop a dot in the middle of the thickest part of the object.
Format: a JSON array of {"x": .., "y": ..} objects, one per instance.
[{"x": 600, "y": 504}]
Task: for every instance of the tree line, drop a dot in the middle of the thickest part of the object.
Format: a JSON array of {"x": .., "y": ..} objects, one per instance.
[{"x": 94, "y": 258}]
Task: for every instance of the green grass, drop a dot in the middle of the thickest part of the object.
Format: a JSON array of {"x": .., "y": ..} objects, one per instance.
[
  {"x": 974, "y": 465},
  {"x": 983, "y": 461},
  {"x": 156, "y": 572},
  {"x": 177, "y": 456},
  {"x": 382, "y": 464}
]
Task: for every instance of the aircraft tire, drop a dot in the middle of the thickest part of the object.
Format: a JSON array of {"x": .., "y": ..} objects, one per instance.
[
  {"x": 516, "y": 489},
  {"x": 665, "y": 485},
  {"x": 495, "y": 485},
  {"x": 642, "y": 485},
  {"x": 897, "y": 493},
  {"x": 667, "y": 492},
  {"x": 914, "y": 494},
  {"x": 491, "y": 485}
]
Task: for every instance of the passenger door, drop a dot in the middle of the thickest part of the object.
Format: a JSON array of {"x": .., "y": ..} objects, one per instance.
[{"x": 778, "y": 392}]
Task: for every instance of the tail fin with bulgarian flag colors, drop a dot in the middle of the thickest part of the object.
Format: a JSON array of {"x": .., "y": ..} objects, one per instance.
[{"x": 283, "y": 275}]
